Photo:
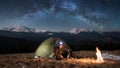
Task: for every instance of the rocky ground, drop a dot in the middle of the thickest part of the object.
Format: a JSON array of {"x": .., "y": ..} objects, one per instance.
[{"x": 81, "y": 59}]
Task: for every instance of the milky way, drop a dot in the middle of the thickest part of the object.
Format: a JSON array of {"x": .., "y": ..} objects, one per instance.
[{"x": 61, "y": 15}]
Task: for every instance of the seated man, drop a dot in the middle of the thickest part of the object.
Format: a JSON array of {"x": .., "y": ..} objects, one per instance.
[{"x": 61, "y": 52}]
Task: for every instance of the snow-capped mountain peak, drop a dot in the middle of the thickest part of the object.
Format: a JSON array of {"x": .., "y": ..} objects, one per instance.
[
  {"x": 39, "y": 30},
  {"x": 76, "y": 31},
  {"x": 23, "y": 29}
]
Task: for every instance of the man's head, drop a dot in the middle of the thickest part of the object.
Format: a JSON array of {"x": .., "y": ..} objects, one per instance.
[{"x": 60, "y": 44}]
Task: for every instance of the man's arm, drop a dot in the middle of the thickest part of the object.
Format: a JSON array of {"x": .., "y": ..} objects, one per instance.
[
  {"x": 68, "y": 52},
  {"x": 58, "y": 54}
]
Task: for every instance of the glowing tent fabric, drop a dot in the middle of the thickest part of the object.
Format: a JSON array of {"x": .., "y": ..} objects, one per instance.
[{"x": 47, "y": 47}]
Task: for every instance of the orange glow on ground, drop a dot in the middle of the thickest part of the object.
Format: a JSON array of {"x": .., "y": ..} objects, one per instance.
[
  {"x": 83, "y": 60},
  {"x": 86, "y": 61}
]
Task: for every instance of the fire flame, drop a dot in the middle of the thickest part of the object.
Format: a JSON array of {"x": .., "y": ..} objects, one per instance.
[{"x": 99, "y": 56}]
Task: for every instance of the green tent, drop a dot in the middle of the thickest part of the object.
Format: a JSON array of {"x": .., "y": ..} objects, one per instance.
[{"x": 46, "y": 49}]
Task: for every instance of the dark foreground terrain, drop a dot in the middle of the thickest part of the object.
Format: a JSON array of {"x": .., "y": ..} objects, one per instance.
[{"x": 81, "y": 59}]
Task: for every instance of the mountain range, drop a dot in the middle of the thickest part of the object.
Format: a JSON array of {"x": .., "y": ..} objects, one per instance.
[
  {"x": 27, "y": 29},
  {"x": 20, "y": 38}
]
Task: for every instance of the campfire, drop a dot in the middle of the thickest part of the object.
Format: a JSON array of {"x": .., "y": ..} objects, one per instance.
[{"x": 99, "y": 56}]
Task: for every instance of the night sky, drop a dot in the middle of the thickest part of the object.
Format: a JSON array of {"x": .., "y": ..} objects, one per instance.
[{"x": 61, "y": 15}]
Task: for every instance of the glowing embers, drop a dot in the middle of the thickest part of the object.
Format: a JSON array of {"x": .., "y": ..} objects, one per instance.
[{"x": 99, "y": 56}]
